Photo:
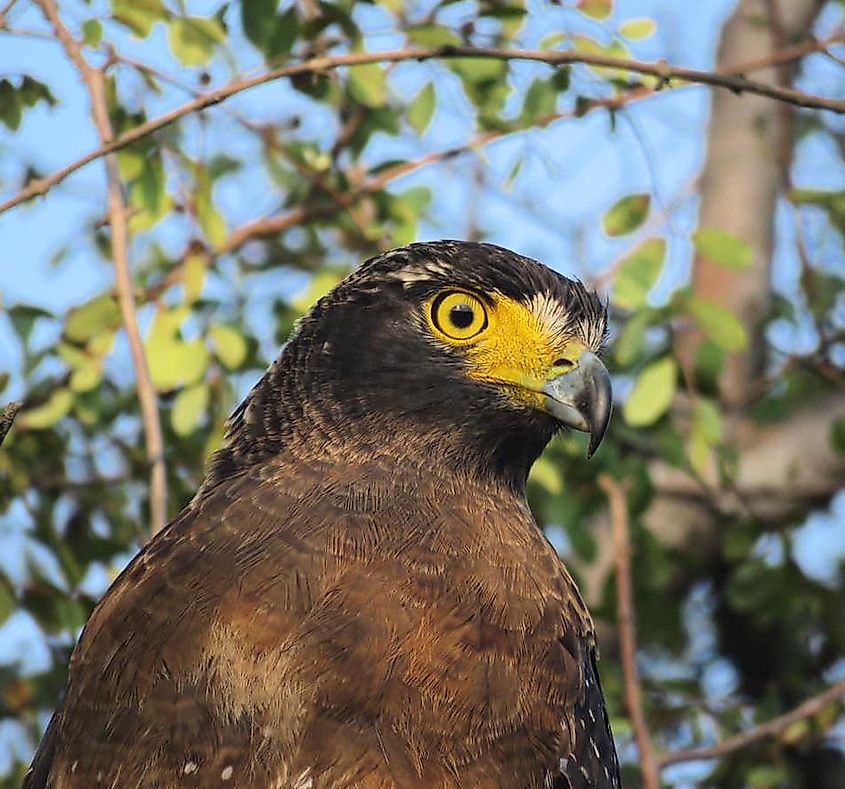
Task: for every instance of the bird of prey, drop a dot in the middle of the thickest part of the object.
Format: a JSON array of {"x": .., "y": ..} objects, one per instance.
[{"x": 358, "y": 594}]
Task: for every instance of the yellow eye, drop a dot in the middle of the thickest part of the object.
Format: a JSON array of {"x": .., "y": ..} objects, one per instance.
[{"x": 458, "y": 315}]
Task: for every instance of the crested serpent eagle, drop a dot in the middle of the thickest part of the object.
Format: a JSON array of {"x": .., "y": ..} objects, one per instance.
[{"x": 358, "y": 595}]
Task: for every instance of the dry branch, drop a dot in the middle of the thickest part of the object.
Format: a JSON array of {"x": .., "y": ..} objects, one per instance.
[
  {"x": 147, "y": 396},
  {"x": 615, "y": 493},
  {"x": 772, "y": 728},
  {"x": 663, "y": 71}
]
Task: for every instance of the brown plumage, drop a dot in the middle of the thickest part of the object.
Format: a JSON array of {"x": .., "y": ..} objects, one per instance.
[{"x": 359, "y": 595}]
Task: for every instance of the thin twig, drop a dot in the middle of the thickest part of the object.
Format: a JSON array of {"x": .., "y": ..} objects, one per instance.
[
  {"x": 785, "y": 55},
  {"x": 147, "y": 396},
  {"x": 616, "y": 496},
  {"x": 772, "y": 728},
  {"x": 272, "y": 225},
  {"x": 665, "y": 73}
]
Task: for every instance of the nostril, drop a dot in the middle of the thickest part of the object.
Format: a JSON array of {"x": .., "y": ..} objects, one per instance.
[{"x": 565, "y": 363}]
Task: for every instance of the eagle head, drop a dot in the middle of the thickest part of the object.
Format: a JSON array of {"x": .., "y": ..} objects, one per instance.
[{"x": 465, "y": 353}]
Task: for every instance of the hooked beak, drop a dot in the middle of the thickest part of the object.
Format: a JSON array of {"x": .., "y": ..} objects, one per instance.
[{"x": 582, "y": 398}]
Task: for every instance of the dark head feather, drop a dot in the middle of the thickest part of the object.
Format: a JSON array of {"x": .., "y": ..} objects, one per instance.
[{"x": 357, "y": 363}]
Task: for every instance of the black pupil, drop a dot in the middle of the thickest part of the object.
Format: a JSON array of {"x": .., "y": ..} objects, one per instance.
[{"x": 461, "y": 316}]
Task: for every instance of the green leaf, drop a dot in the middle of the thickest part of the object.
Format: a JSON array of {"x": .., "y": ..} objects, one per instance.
[
  {"x": 596, "y": 9},
  {"x": 652, "y": 393},
  {"x": 174, "y": 362},
  {"x": 257, "y": 19},
  {"x": 638, "y": 273},
  {"x": 57, "y": 407},
  {"x": 321, "y": 283},
  {"x": 433, "y": 36},
  {"x": 705, "y": 433},
  {"x": 10, "y": 105},
  {"x": 8, "y": 599},
  {"x": 719, "y": 324},
  {"x": 13, "y": 99},
  {"x": 637, "y": 29},
  {"x": 193, "y": 39},
  {"x": 628, "y": 348},
  {"x": 23, "y": 317},
  {"x": 149, "y": 190},
  {"x": 627, "y": 214},
  {"x": 723, "y": 248},
  {"x": 486, "y": 85},
  {"x": 229, "y": 345},
  {"x": 92, "y": 32},
  {"x": 546, "y": 474},
  {"x": 552, "y": 40},
  {"x": 833, "y": 203},
  {"x": 211, "y": 220},
  {"x": 139, "y": 15},
  {"x": 84, "y": 322},
  {"x": 130, "y": 163},
  {"x": 421, "y": 109},
  {"x": 368, "y": 84},
  {"x": 273, "y": 34},
  {"x": 87, "y": 376},
  {"x": 189, "y": 408},
  {"x": 32, "y": 91},
  {"x": 193, "y": 276},
  {"x": 540, "y": 101}
]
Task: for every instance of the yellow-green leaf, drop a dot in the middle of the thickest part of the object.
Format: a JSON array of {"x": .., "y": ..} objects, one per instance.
[
  {"x": 174, "y": 362},
  {"x": 421, "y": 109},
  {"x": 192, "y": 39},
  {"x": 72, "y": 356},
  {"x": 626, "y": 214},
  {"x": 638, "y": 273},
  {"x": 8, "y": 601},
  {"x": 368, "y": 84},
  {"x": 433, "y": 36},
  {"x": 652, "y": 393},
  {"x": 229, "y": 345},
  {"x": 210, "y": 219},
  {"x": 546, "y": 474},
  {"x": 723, "y": 248},
  {"x": 91, "y": 318},
  {"x": 189, "y": 408},
  {"x": 632, "y": 338},
  {"x": 88, "y": 376},
  {"x": 637, "y": 29},
  {"x": 719, "y": 324},
  {"x": 92, "y": 32},
  {"x": 46, "y": 415},
  {"x": 102, "y": 343},
  {"x": 139, "y": 15},
  {"x": 130, "y": 163},
  {"x": 705, "y": 433},
  {"x": 596, "y": 9},
  {"x": 193, "y": 276},
  {"x": 321, "y": 283}
]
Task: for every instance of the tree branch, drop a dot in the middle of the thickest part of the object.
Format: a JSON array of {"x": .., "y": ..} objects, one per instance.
[
  {"x": 272, "y": 225},
  {"x": 771, "y": 728},
  {"x": 147, "y": 396},
  {"x": 662, "y": 70},
  {"x": 7, "y": 417},
  {"x": 615, "y": 493}
]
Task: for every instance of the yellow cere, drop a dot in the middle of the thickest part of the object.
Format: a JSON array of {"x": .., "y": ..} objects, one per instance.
[{"x": 510, "y": 343}]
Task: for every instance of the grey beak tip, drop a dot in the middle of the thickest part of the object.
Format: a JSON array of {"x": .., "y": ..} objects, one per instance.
[{"x": 583, "y": 399}]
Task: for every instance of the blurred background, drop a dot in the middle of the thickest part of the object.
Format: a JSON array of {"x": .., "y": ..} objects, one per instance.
[{"x": 712, "y": 221}]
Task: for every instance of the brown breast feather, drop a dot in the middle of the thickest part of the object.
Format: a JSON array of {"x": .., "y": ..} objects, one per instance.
[{"x": 311, "y": 626}]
